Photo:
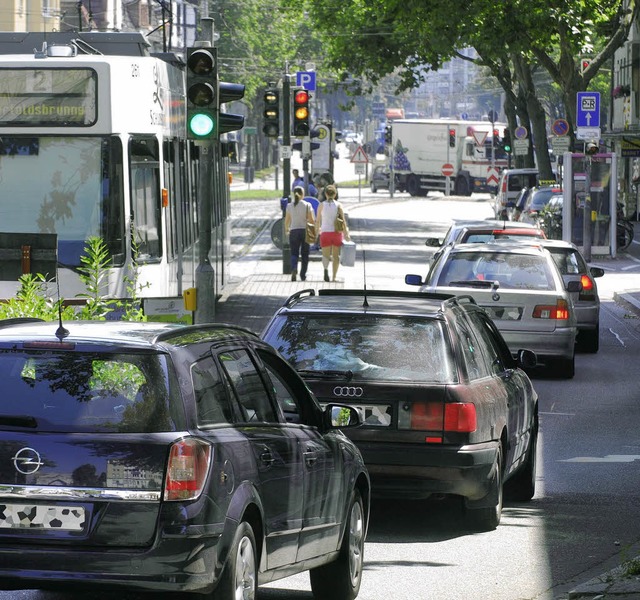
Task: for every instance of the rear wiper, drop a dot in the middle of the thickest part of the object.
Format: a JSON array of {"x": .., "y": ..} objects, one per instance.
[
  {"x": 18, "y": 421},
  {"x": 475, "y": 283},
  {"x": 348, "y": 375}
]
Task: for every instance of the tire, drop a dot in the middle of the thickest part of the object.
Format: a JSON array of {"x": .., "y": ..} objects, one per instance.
[
  {"x": 488, "y": 518},
  {"x": 625, "y": 235},
  {"x": 239, "y": 579},
  {"x": 522, "y": 486},
  {"x": 413, "y": 185},
  {"x": 589, "y": 340},
  {"x": 340, "y": 579},
  {"x": 564, "y": 367},
  {"x": 461, "y": 187},
  {"x": 374, "y": 189}
]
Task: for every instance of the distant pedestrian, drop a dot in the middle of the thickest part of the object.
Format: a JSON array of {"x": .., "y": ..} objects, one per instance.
[
  {"x": 297, "y": 180},
  {"x": 332, "y": 227},
  {"x": 298, "y": 214}
]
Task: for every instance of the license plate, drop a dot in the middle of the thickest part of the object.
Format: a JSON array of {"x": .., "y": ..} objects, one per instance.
[
  {"x": 375, "y": 415},
  {"x": 35, "y": 516},
  {"x": 504, "y": 313}
]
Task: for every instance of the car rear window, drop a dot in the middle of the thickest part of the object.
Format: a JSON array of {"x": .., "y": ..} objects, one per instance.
[
  {"x": 73, "y": 392},
  {"x": 512, "y": 270},
  {"x": 371, "y": 347},
  {"x": 540, "y": 199}
]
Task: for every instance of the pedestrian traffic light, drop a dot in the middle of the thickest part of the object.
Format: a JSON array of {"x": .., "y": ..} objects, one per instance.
[
  {"x": 202, "y": 91},
  {"x": 452, "y": 138},
  {"x": 229, "y": 92},
  {"x": 387, "y": 135},
  {"x": 301, "y": 113},
  {"x": 506, "y": 141},
  {"x": 271, "y": 127}
]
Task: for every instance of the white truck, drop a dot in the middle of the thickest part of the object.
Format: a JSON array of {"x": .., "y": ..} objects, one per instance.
[{"x": 422, "y": 147}]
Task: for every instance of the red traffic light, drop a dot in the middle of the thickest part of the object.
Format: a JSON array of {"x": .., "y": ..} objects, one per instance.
[
  {"x": 301, "y": 113},
  {"x": 452, "y": 138}
]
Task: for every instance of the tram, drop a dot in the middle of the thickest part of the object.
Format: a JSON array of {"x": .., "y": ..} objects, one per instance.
[{"x": 93, "y": 144}]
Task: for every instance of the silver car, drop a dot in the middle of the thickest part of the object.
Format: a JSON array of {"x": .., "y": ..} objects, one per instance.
[{"x": 520, "y": 287}]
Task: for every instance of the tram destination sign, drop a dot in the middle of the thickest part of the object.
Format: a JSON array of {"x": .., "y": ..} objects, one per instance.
[{"x": 47, "y": 97}]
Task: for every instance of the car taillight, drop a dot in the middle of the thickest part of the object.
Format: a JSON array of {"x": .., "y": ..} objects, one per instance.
[
  {"x": 558, "y": 311},
  {"x": 588, "y": 290},
  {"x": 187, "y": 470},
  {"x": 454, "y": 417}
]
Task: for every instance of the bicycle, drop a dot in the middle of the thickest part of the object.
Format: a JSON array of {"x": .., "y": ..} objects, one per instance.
[{"x": 624, "y": 230}]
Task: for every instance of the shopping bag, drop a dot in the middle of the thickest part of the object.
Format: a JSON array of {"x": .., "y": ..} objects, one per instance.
[{"x": 348, "y": 254}]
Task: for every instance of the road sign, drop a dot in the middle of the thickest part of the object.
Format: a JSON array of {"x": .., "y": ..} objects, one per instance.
[
  {"x": 521, "y": 133},
  {"x": 360, "y": 156},
  {"x": 360, "y": 168},
  {"x": 560, "y": 127},
  {"x": 588, "y": 109},
  {"x": 447, "y": 169},
  {"x": 493, "y": 176},
  {"x": 560, "y": 144},
  {"x": 588, "y": 133},
  {"x": 479, "y": 137},
  {"x": 306, "y": 80},
  {"x": 520, "y": 147}
]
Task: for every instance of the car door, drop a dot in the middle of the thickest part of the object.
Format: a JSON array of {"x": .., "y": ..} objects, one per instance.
[
  {"x": 324, "y": 493},
  {"x": 275, "y": 455}
]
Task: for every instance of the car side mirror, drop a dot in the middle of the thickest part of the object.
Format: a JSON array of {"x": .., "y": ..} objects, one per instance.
[
  {"x": 574, "y": 286},
  {"x": 596, "y": 271},
  {"x": 433, "y": 242},
  {"x": 413, "y": 280},
  {"x": 527, "y": 359},
  {"x": 342, "y": 415}
]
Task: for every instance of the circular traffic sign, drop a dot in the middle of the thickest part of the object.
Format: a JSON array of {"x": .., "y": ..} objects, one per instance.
[
  {"x": 447, "y": 169},
  {"x": 560, "y": 127},
  {"x": 521, "y": 133}
]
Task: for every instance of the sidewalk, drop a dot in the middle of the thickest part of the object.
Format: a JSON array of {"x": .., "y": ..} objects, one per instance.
[{"x": 257, "y": 287}]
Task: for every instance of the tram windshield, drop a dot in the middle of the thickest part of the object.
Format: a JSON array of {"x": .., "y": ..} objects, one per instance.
[{"x": 70, "y": 186}]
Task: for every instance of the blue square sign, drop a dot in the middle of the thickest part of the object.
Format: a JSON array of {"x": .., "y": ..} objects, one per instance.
[
  {"x": 306, "y": 80},
  {"x": 588, "y": 109}
]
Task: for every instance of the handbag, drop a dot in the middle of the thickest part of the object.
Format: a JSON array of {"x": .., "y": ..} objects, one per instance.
[
  {"x": 310, "y": 233},
  {"x": 340, "y": 225}
]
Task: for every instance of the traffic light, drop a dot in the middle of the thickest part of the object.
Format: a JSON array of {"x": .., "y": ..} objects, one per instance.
[
  {"x": 271, "y": 127},
  {"x": 387, "y": 135},
  {"x": 452, "y": 138},
  {"x": 301, "y": 113},
  {"x": 584, "y": 64},
  {"x": 202, "y": 91},
  {"x": 506, "y": 141},
  {"x": 229, "y": 92}
]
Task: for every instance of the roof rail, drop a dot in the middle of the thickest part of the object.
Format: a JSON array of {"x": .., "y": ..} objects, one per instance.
[
  {"x": 385, "y": 294},
  {"x": 295, "y": 297}
]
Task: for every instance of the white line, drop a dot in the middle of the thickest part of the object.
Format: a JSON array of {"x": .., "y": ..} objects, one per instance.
[
  {"x": 557, "y": 414},
  {"x": 617, "y": 337}
]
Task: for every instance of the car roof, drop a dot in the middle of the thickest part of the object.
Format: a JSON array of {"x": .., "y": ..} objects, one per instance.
[
  {"x": 513, "y": 246},
  {"x": 114, "y": 333},
  {"x": 379, "y": 302}
]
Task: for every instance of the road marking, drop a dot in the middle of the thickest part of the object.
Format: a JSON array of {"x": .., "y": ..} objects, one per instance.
[
  {"x": 617, "y": 337},
  {"x": 610, "y": 458}
]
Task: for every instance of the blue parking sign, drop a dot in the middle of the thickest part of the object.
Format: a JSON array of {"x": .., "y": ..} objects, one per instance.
[
  {"x": 588, "y": 109},
  {"x": 306, "y": 80}
]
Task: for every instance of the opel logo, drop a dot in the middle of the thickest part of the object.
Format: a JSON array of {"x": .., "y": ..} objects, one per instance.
[
  {"x": 348, "y": 392},
  {"x": 27, "y": 461}
]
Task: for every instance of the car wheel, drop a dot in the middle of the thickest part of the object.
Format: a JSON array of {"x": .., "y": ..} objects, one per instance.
[
  {"x": 564, "y": 367},
  {"x": 522, "y": 487},
  {"x": 413, "y": 186},
  {"x": 462, "y": 187},
  {"x": 488, "y": 518},
  {"x": 374, "y": 189},
  {"x": 239, "y": 579},
  {"x": 589, "y": 340},
  {"x": 340, "y": 579}
]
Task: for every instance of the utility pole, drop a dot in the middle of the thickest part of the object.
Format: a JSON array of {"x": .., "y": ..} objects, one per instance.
[{"x": 286, "y": 165}]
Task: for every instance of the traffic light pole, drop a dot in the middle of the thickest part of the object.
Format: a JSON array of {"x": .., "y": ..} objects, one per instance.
[{"x": 286, "y": 166}]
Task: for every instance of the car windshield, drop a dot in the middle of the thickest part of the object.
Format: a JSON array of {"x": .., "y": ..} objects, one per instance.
[
  {"x": 512, "y": 270},
  {"x": 371, "y": 347},
  {"x": 68, "y": 391},
  {"x": 540, "y": 198}
]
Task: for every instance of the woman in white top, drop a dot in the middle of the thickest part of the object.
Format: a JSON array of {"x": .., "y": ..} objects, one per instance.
[
  {"x": 330, "y": 238},
  {"x": 299, "y": 212}
]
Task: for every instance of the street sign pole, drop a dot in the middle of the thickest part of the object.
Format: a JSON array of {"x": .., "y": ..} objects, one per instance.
[{"x": 286, "y": 165}]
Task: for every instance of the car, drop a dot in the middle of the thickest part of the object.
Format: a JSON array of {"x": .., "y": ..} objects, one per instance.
[
  {"x": 482, "y": 231},
  {"x": 511, "y": 183},
  {"x": 573, "y": 266},
  {"x": 520, "y": 287},
  {"x": 447, "y": 411},
  {"x": 537, "y": 199},
  {"x": 168, "y": 458},
  {"x": 380, "y": 179}
]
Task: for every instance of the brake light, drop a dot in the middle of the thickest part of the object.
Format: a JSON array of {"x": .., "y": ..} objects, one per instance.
[
  {"x": 588, "y": 289},
  {"x": 189, "y": 461},
  {"x": 460, "y": 417},
  {"x": 558, "y": 311},
  {"x": 426, "y": 415}
]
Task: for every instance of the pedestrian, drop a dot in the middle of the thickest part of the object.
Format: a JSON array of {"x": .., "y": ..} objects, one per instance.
[
  {"x": 332, "y": 226},
  {"x": 297, "y": 180},
  {"x": 298, "y": 214}
]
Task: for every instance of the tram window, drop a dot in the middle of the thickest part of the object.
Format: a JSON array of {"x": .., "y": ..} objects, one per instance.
[{"x": 145, "y": 198}]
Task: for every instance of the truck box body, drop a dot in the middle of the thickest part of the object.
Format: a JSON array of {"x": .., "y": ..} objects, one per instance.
[{"x": 422, "y": 146}]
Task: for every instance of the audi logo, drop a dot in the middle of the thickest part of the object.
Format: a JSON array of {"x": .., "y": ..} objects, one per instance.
[
  {"x": 27, "y": 461},
  {"x": 348, "y": 392}
]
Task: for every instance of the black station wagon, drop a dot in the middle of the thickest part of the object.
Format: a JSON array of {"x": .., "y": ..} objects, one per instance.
[
  {"x": 446, "y": 408},
  {"x": 165, "y": 458}
]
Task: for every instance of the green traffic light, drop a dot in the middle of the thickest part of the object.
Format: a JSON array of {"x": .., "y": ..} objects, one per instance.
[{"x": 201, "y": 124}]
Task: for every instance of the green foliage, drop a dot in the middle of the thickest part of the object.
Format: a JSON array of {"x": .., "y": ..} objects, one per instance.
[
  {"x": 96, "y": 262},
  {"x": 34, "y": 299}
]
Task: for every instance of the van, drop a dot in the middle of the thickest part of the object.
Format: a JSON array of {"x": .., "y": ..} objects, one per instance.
[{"x": 511, "y": 182}]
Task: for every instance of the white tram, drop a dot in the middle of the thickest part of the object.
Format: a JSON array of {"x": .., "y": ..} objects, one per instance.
[{"x": 93, "y": 143}]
